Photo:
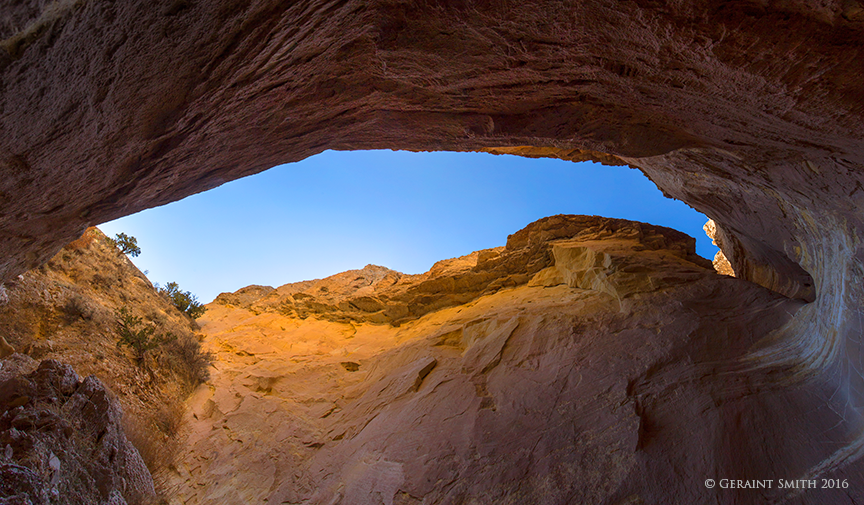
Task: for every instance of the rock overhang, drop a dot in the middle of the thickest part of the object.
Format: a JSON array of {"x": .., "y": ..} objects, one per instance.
[{"x": 749, "y": 112}]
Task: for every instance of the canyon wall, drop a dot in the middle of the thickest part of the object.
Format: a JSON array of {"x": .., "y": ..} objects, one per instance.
[
  {"x": 615, "y": 372},
  {"x": 750, "y": 111}
]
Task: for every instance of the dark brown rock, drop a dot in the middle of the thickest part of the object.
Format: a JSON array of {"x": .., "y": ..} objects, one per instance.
[{"x": 64, "y": 443}]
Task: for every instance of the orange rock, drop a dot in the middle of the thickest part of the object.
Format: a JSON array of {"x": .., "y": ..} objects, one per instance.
[{"x": 624, "y": 367}]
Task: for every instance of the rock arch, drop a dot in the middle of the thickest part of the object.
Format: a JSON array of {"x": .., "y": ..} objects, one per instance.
[{"x": 749, "y": 111}]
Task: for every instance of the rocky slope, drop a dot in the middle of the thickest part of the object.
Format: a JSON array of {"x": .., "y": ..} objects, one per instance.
[
  {"x": 619, "y": 371},
  {"x": 66, "y": 311}
]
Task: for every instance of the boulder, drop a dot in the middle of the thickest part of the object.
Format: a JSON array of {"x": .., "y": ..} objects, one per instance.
[{"x": 64, "y": 442}]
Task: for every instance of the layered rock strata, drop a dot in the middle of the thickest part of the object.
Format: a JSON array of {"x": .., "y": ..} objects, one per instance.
[
  {"x": 116, "y": 108},
  {"x": 620, "y": 372},
  {"x": 380, "y": 295}
]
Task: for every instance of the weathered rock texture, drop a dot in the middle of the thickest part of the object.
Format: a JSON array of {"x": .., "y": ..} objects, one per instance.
[
  {"x": 721, "y": 263},
  {"x": 62, "y": 439},
  {"x": 66, "y": 310},
  {"x": 750, "y": 111},
  {"x": 618, "y": 373}
]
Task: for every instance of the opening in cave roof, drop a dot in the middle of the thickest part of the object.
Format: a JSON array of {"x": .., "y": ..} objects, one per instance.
[{"x": 341, "y": 210}]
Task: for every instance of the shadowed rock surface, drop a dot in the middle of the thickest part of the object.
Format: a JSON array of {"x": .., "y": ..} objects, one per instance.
[
  {"x": 618, "y": 373},
  {"x": 751, "y": 112},
  {"x": 63, "y": 440}
]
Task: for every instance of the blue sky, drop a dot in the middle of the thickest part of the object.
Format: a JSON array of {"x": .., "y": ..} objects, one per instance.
[{"x": 342, "y": 210}]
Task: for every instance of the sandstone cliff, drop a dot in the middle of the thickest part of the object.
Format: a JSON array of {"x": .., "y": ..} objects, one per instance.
[
  {"x": 379, "y": 295},
  {"x": 617, "y": 372}
]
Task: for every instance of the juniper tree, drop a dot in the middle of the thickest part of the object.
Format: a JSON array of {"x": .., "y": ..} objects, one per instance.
[
  {"x": 126, "y": 244},
  {"x": 185, "y": 301}
]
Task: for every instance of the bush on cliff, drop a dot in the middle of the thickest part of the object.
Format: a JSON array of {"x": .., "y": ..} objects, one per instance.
[
  {"x": 185, "y": 301},
  {"x": 137, "y": 336},
  {"x": 186, "y": 358}
]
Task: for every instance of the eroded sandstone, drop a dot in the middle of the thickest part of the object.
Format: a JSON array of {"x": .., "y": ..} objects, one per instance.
[
  {"x": 619, "y": 373},
  {"x": 380, "y": 295},
  {"x": 720, "y": 262}
]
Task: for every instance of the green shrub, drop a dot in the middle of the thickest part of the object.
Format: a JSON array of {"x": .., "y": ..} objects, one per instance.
[
  {"x": 137, "y": 336},
  {"x": 126, "y": 244},
  {"x": 185, "y": 301}
]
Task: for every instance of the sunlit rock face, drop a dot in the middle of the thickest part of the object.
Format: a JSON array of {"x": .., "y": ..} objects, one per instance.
[
  {"x": 380, "y": 295},
  {"x": 721, "y": 262},
  {"x": 617, "y": 372},
  {"x": 751, "y": 112}
]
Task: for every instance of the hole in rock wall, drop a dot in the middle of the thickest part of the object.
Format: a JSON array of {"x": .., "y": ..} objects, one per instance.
[{"x": 342, "y": 210}]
